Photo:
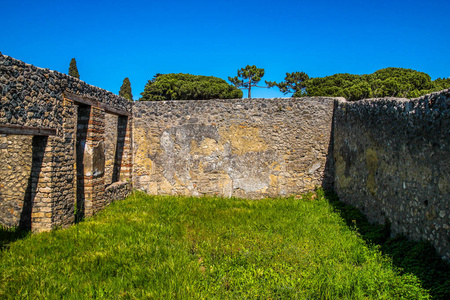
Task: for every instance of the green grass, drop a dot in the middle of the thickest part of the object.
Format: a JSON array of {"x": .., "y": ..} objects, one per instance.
[
  {"x": 184, "y": 247},
  {"x": 418, "y": 258}
]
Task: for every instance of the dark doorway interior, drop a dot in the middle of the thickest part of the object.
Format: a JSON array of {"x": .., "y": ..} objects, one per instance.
[
  {"x": 84, "y": 112},
  {"x": 38, "y": 150},
  {"x": 122, "y": 124}
]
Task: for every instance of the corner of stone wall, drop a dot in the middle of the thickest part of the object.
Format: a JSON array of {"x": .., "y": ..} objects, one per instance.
[
  {"x": 118, "y": 191},
  {"x": 390, "y": 163},
  {"x": 34, "y": 99}
]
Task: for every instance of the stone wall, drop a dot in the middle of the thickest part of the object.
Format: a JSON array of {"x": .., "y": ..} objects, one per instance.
[
  {"x": 118, "y": 190},
  {"x": 53, "y": 146},
  {"x": 15, "y": 167},
  {"x": 60, "y": 179},
  {"x": 111, "y": 122},
  {"x": 66, "y": 146},
  {"x": 33, "y": 96},
  {"x": 117, "y": 149},
  {"x": 245, "y": 148},
  {"x": 392, "y": 160}
]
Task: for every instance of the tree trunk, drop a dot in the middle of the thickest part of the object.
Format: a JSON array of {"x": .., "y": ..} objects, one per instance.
[{"x": 250, "y": 88}]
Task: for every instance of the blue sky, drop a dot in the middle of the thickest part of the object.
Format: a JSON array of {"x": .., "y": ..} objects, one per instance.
[{"x": 113, "y": 39}]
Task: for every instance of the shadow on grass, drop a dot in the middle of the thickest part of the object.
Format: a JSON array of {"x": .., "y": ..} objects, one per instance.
[
  {"x": 418, "y": 258},
  {"x": 9, "y": 235}
]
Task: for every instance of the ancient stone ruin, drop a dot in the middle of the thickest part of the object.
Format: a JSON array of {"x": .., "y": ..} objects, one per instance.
[{"x": 66, "y": 146}]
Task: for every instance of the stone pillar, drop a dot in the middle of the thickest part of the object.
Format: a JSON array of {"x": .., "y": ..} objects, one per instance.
[
  {"x": 111, "y": 148},
  {"x": 63, "y": 179},
  {"x": 90, "y": 160},
  {"x": 41, "y": 191},
  {"x": 94, "y": 162}
]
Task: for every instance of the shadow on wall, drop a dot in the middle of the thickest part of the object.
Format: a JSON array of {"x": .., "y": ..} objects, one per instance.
[
  {"x": 418, "y": 258},
  {"x": 82, "y": 128},
  {"x": 328, "y": 176},
  {"x": 122, "y": 123},
  {"x": 38, "y": 150},
  {"x": 9, "y": 235}
]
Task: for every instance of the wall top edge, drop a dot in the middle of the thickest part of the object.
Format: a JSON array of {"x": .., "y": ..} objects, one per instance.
[
  {"x": 247, "y": 100},
  {"x": 13, "y": 61},
  {"x": 443, "y": 93}
]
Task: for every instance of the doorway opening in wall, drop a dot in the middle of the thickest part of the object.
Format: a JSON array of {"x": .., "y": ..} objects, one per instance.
[
  {"x": 122, "y": 124},
  {"x": 83, "y": 115},
  {"x": 115, "y": 130}
]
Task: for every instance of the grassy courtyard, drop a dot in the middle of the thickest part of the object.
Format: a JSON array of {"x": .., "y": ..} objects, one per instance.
[{"x": 164, "y": 247}]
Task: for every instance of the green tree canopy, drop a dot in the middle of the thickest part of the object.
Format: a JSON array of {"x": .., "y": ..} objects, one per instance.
[
  {"x": 247, "y": 78},
  {"x": 125, "y": 89},
  {"x": 389, "y": 82},
  {"x": 441, "y": 84},
  {"x": 73, "y": 70},
  {"x": 188, "y": 87},
  {"x": 293, "y": 82}
]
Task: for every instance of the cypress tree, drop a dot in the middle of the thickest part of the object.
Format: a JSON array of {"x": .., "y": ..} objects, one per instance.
[
  {"x": 73, "y": 70},
  {"x": 125, "y": 89}
]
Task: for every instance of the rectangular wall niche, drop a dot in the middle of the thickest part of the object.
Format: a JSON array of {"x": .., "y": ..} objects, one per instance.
[{"x": 115, "y": 134}]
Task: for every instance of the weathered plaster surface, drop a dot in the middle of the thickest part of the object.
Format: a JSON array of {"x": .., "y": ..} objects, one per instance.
[{"x": 247, "y": 148}]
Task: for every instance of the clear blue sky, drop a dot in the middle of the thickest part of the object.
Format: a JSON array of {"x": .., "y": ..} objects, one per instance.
[{"x": 113, "y": 39}]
